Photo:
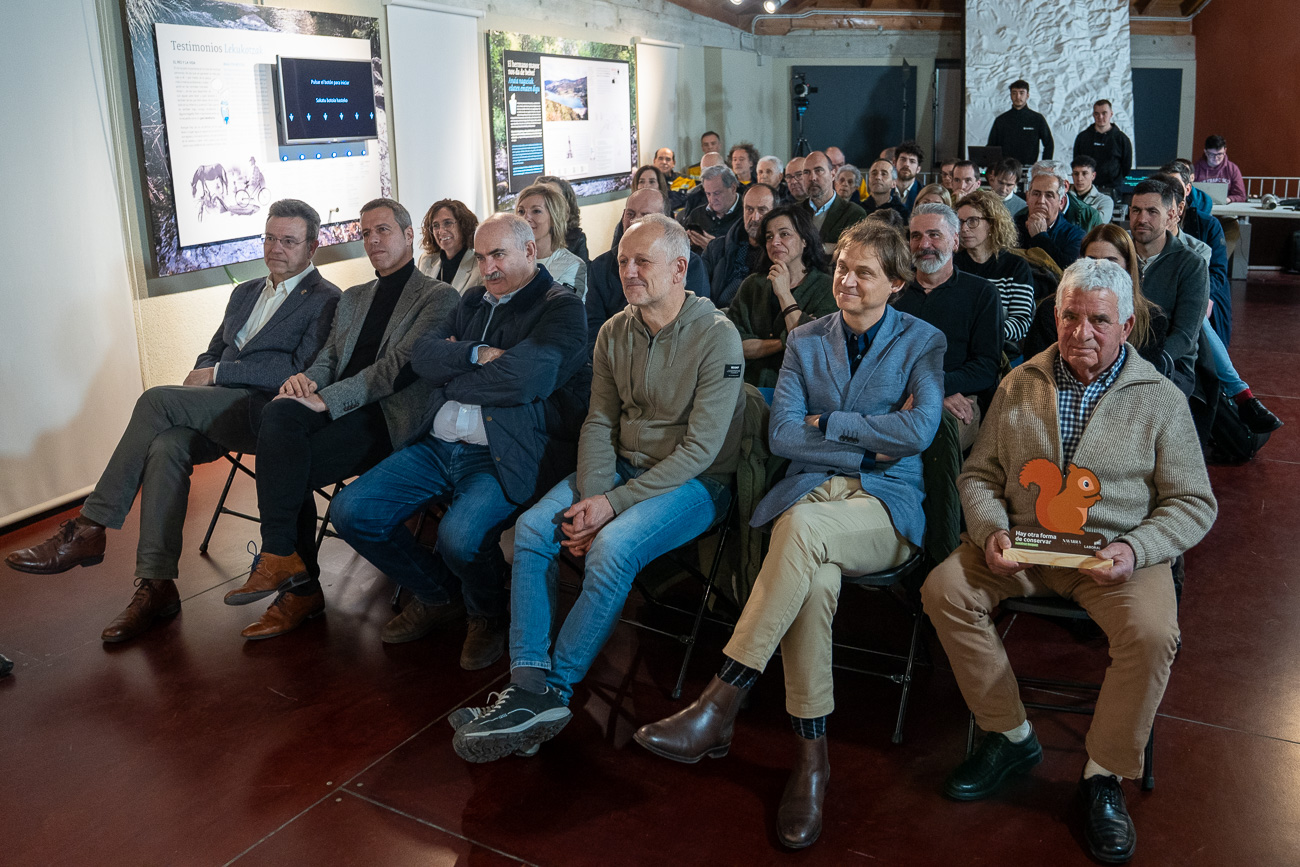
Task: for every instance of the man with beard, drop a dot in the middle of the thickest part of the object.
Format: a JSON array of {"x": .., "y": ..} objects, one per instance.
[
  {"x": 907, "y": 162},
  {"x": 964, "y": 307},
  {"x": 882, "y": 192}
]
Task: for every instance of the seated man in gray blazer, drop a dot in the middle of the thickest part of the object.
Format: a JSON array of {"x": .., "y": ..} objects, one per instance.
[
  {"x": 859, "y": 397},
  {"x": 273, "y": 328},
  {"x": 341, "y": 416}
]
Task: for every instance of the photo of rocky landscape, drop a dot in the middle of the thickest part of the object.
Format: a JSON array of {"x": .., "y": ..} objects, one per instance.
[{"x": 566, "y": 99}]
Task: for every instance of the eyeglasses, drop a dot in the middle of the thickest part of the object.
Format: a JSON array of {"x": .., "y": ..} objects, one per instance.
[
  {"x": 972, "y": 222},
  {"x": 1215, "y": 153},
  {"x": 287, "y": 243}
]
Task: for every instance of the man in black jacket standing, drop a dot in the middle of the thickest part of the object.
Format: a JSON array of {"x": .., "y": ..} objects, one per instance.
[
  {"x": 491, "y": 440},
  {"x": 1020, "y": 129},
  {"x": 1107, "y": 144}
]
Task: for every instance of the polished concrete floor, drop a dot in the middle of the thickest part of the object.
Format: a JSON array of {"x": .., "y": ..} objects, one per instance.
[{"x": 325, "y": 747}]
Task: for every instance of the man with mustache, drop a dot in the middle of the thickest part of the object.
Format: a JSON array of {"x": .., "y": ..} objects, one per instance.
[
  {"x": 506, "y": 368},
  {"x": 964, "y": 307}
]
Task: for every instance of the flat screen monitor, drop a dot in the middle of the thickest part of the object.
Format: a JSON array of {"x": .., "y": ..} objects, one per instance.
[{"x": 324, "y": 100}]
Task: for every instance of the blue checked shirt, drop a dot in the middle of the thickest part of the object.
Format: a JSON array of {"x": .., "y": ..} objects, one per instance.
[{"x": 1076, "y": 401}]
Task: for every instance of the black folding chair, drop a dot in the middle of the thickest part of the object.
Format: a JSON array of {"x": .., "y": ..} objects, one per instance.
[
  {"x": 237, "y": 466},
  {"x": 941, "y": 462}
]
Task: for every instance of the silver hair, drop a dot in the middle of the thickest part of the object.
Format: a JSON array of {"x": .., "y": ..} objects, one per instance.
[
  {"x": 672, "y": 237},
  {"x": 780, "y": 166},
  {"x": 297, "y": 208},
  {"x": 400, "y": 214},
  {"x": 727, "y": 175},
  {"x": 1058, "y": 169},
  {"x": 893, "y": 172},
  {"x": 854, "y": 171},
  {"x": 937, "y": 210},
  {"x": 518, "y": 227},
  {"x": 1093, "y": 275}
]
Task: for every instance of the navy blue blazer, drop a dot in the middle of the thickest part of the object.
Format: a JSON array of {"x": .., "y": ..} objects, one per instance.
[
  {"x": 906, "y": 358},
  {"x": 285, "y": 345},
  {"x": 546, "y": 368}
]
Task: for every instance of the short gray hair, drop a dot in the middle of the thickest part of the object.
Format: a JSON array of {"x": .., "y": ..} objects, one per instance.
[
  {"x": 893, "y": 171},
  {"x": 934, "y": 209},
  {"x": 1093, "y": 275},
  {"x": 854, "y": 172},
  {"x": 1058, "y": 169},
  {"x": 296, "y": 208},
  {"x": 728, "y": 176},
  {"x": 776, "y": 161},
  {"x": 672, "y": 237},
  {"x": 400, "y": 214},
  {"x": 518, "y": 227}
]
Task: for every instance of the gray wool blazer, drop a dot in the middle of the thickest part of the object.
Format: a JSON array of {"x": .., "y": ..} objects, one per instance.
[{"x": 425, "y": 302}]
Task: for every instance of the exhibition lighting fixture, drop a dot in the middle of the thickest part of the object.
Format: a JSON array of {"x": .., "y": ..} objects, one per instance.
[
  {"x": 770, "y": 6},
  {"x": 737, "y": 2}
]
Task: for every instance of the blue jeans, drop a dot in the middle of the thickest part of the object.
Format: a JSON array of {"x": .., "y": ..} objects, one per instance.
[
  {"x": 622, "y": 548},
  {"x": 1229, "y": 380},
  {"x": 370, "y": 512}
]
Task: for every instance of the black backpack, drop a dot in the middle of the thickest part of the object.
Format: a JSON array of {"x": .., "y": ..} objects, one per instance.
[{"x": 1230, "y": 441}]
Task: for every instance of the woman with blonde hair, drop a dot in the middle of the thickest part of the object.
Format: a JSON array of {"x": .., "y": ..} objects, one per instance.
[
  {"x": 986, "y": 235},
  {"x": 933, "y": 194},
  {"x": 542, "y": 206}
]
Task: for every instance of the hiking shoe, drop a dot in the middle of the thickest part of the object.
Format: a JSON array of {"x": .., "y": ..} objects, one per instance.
[{"x": 516, "y": 720}]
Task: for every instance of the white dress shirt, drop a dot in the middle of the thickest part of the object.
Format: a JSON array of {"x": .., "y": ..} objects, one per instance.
[{"x": 463, "y": 422}]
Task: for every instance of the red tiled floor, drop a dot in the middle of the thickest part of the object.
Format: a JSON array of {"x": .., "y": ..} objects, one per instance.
[{"x": 191, "y": 746}]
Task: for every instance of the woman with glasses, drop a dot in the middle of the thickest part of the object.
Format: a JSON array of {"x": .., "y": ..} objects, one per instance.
[
  {"x": 447, "y": 242},
  {"x": 986, "y": 235}
]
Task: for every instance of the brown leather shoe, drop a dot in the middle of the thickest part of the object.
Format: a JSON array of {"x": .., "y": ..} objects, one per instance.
[
  {"x": 418, "y": 620},
  {"x": 154, "y": 600},
  {"x": 287, "y": 612},
  {"x": 485, "y": 643},
  {"x": 799, "y": 818},
  {"x": 271, "y": 573},
  {"x": 701, "y": 729},
  {"x": 77, "y": 543}
]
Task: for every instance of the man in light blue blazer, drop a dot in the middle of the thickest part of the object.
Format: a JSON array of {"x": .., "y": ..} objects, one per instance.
[
  {"x": 859, "y": 397},
  {"x": 273, "y": 328}
]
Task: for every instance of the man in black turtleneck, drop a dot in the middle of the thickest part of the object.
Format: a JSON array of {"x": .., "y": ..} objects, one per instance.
[{"x": 340, "y": 416}]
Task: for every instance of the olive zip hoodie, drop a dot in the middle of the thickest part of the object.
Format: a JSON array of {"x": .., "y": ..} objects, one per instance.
[{"x": 671, "y": 404}]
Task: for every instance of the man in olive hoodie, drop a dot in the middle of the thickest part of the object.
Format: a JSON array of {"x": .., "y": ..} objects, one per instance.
[{"x": 655, "y": 461}]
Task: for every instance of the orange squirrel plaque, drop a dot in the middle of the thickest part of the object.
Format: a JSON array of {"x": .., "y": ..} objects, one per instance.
[{"x": 1062, "y": 511}]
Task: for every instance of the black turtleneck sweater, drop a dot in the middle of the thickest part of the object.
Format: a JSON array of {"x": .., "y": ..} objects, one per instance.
[
  {"x": 447, "y": 272},
  {"x": 381, "y": 309}
]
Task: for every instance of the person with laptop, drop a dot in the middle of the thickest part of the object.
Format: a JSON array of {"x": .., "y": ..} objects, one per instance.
[{"x": 1216, "y": 168}]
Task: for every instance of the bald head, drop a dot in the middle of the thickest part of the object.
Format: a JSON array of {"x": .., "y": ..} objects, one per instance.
[
  {"x": 836, "y": 156},
  {"x": 712, "y": 159},
  {"x": 794, "y": 179},
  {"x": 819, "y": 178},
  {"x": 641, "y": 203}
]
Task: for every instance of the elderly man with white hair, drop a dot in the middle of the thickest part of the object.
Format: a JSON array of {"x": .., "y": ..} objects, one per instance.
[
  {"x": 1086, "y": 416},
  {"x": 1043, "y": 223},
  {"x": 771, "y": 171}
]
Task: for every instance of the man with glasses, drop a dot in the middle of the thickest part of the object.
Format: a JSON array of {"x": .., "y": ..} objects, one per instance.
[
  {"x": 1215, "y": 167},
  {"x": 341, "y": 416},
  {"x": 273, "y": 328}
]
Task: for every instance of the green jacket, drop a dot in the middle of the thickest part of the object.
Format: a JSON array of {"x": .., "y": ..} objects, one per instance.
[
  {"x": 757, "y": 316},
  {"x": 669, "y": 403},
  {"x": 1082, "y": 214}
]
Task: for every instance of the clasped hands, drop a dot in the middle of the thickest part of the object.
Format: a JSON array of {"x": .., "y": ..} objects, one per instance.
[{"x": 585, "y": 520}]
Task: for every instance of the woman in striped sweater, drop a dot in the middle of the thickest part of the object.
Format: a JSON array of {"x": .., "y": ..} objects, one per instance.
[{"x": 987, "y": 235}]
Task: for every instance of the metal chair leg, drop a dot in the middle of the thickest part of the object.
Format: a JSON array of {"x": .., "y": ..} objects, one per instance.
[
  {"x": 907, "y": 677},
  {"x": 704, "y": 602},
  {"x": 221, "y": 503}
]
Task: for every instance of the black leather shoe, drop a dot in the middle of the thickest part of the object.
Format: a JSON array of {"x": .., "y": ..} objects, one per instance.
[
  {"x": 1257, "y": 416},
  {"x": 1107, "y": 828},
  {"x": 993, "y": 761}
]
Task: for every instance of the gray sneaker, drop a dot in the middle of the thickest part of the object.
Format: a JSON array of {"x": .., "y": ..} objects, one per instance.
[
  {"x": 516, "y": 721},
  {"x": 457, "y": 719},
  {"x": 418, "y": 620}
]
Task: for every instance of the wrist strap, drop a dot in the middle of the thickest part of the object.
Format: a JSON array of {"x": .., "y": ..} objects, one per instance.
[{"x": 787, "y": 311}]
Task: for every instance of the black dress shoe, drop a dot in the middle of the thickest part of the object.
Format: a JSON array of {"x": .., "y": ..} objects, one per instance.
[
  {"x": 1257, "y": 416},
  {"x": 1107, "y": 828},
  {"x": 996, "y": 759}
]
